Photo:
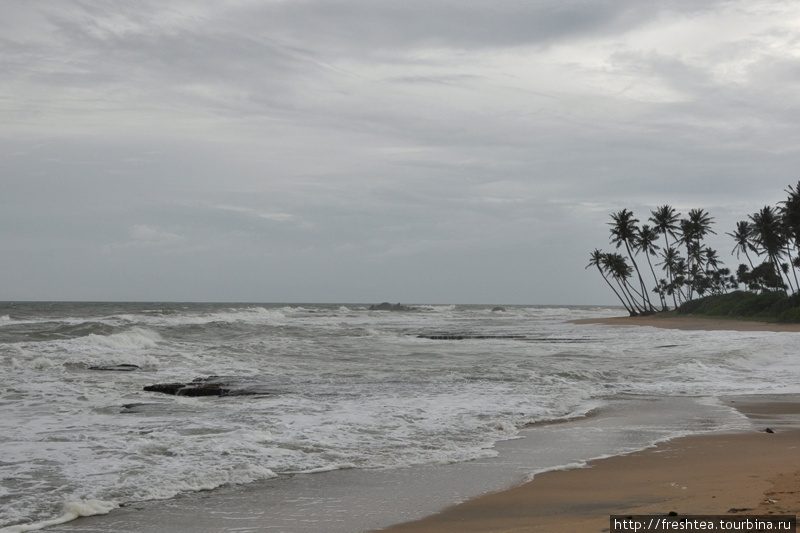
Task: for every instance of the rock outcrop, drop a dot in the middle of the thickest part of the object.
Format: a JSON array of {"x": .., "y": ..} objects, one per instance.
[
  {"x": 386, "y": 306},
  {"x": 124, "y": 367},
  {"x": 211, "y": 386},
  {"x": 468, "y": 336}
]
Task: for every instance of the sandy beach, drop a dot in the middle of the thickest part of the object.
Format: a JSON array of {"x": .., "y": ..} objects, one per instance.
[
  {"x": 755, "y": 472},
  {"x": 690, "y": 323}
]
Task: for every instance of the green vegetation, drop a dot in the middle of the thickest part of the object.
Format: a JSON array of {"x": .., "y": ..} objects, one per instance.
[
  {"x": 768, "y": 305},
  {"x": 693, "y": 278}
]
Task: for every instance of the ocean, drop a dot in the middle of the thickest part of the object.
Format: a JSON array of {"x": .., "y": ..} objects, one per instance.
[{"x": 315, "y": 398}]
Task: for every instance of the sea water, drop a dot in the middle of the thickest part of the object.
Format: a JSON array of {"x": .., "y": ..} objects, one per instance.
[{"x": 347, "y": 389}]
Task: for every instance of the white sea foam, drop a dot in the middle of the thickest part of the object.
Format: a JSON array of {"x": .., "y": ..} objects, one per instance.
[
  {"x": 558, "y": 468},
  {"x": 71, "y": 511},
  {"x": 328, "y": 468},
  {"x": 135, "y": 338},
  {"x": 251, "y": 315},
  {"x": 207, "y": 480}
]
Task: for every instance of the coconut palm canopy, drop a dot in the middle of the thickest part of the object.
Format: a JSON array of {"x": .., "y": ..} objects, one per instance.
[{"x": 690, "y": 267}]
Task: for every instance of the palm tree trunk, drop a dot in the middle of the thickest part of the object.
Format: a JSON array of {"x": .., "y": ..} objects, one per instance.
[
  {"x": 794, "y": 271},
  {"x": 629, "y": 310},
  {"x": 777, "y": 266},
  {"x": 655, "y": 278},
  {"x": 669, "y": 269},
  {"x": 631, "y": 307},
  {"x": 641, "y": 307},
  {"x": 645, "y": 296}
]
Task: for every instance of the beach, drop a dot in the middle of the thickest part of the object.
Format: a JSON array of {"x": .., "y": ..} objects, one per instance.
[
  {"x": 752, "y": 472},
  {"x": 690, "y": 323}
]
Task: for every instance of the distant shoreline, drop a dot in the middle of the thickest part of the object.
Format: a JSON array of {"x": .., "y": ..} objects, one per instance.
[{"x": 691, "y": 323}]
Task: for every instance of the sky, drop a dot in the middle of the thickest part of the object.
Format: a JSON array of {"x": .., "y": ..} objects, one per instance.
[{"x": 434, "y": 151}]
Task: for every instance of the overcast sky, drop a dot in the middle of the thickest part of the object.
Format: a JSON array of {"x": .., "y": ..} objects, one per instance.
[{"x": 440, "y": 151}]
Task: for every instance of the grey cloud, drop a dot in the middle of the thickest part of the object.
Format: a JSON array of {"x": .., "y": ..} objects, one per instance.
[
  {"x": 453, "y": 151},
  {"x": 464, "y": 24}
]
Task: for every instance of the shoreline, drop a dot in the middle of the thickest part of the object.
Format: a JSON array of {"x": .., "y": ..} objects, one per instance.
[
  {"x": 691, "y": 323},
  {"x": 725, "y": 472},
  {"x": 741, "y": 473}
]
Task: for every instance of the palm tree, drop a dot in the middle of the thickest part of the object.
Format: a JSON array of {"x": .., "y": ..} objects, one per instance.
[
  {"x": 665, "y": 220},
  {"x": 768, "y": 236},
  {"x": 693, "y": 230},
  {"x": 701, "y": 223},
  {"x": 671, "y": 265},
  {"x": 790, "y": 212},
  {"x": 623, "y": 231},
  {"x": 744, "y": 240},
  {"x": 621, "y": 272},
  {"x": 790, "y": 217},
  {"x": 713, "y": 270},
  {"x": 646, "y": 243},
  {"x": 597, "y": 260}
]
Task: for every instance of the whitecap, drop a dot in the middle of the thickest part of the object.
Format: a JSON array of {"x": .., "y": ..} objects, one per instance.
[{"x": 134, "y": 338}]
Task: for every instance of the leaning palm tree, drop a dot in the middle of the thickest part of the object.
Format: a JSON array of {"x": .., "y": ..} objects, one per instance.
[
  {"x": 621, "y": 271},
  {"x": 597, "y": 260},
  {"x": 623, "y": 232}
]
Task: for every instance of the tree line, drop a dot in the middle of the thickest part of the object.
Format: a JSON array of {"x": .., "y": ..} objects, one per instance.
[{"x": 676, "y": 265}]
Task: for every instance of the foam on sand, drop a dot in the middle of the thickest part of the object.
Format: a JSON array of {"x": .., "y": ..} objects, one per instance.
[{"x": 71, "y": 511}]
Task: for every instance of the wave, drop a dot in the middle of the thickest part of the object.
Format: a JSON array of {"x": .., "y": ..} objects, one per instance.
[
  {"x": 239, "y": 475},
  {"x": 251, "y": 315},
  {"x": 134, "y": 338}
]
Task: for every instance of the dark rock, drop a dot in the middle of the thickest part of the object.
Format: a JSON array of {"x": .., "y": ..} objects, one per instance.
[
  {"x": 386, "y": 306},
  {"x": 124, "y": 367},
  {"x": 166, "y": 388},
  {"x": 465, "y": 336},
  {"x": 498, "y": 310},
  {"x": 139, "y": 407},
  {"x": 211, "y": 386},
  {"x": 769, "y": 430}
]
